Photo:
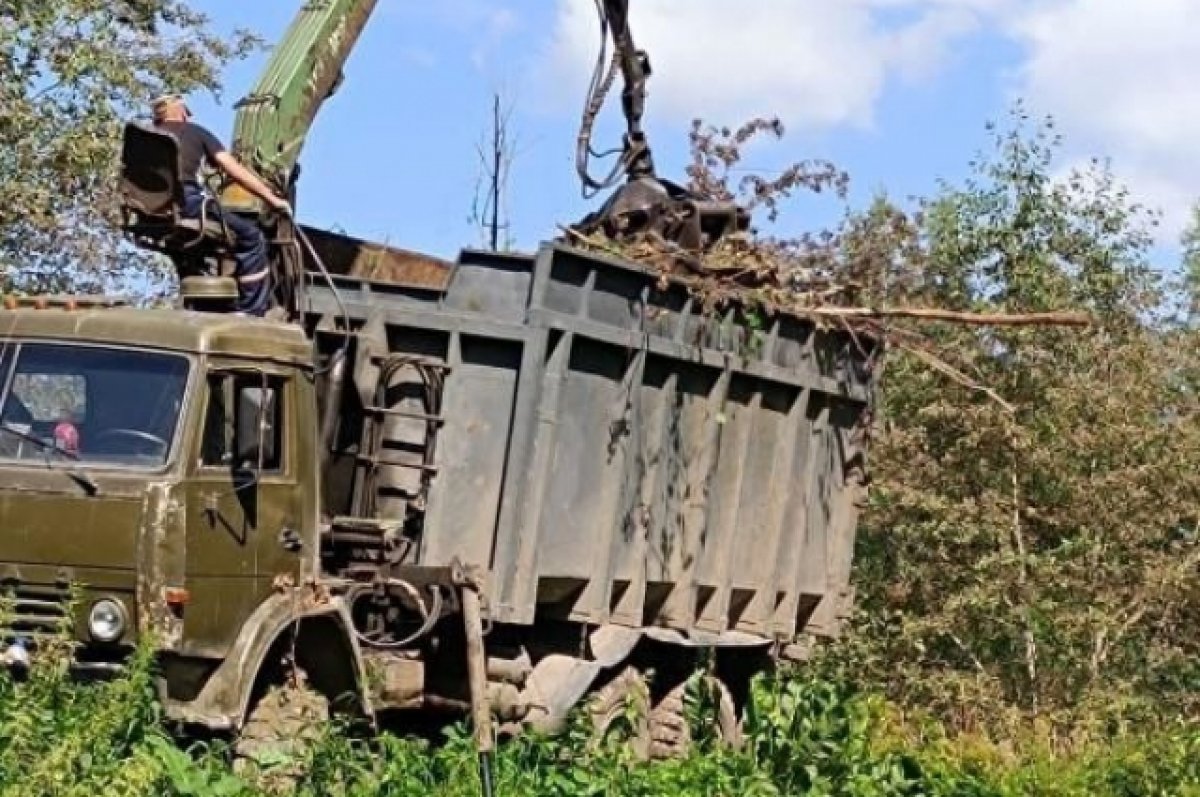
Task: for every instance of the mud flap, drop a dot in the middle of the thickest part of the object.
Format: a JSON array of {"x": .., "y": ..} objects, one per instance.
[{"x": 558, "y": 683}]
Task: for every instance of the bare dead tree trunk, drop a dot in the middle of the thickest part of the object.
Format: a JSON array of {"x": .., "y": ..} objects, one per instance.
[
  {"x": 496, "y": 153},
  {"x": 497, "y": 167}
]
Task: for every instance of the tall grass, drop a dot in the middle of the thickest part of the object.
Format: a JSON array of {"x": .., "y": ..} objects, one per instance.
[{"x": 806, "y": 735}]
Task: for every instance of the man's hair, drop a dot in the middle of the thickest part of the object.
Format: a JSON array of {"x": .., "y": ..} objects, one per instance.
[{"x": 162, "y": 104}]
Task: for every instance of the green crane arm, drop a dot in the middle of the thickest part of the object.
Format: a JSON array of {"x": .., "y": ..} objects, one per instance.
[{"x": 305, "y": 69}]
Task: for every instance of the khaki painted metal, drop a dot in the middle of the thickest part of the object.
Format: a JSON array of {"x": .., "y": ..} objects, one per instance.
[
  {"x": 182, "y": 526},
  {"x": 611, "y": 455},
  {"x": 608, "y": 455},
  {"x": 171, "y": 330}
]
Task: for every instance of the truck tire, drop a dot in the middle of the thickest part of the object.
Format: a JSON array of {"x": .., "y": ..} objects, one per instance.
[
  {"x": 670, "y": 731},
  {"x": 623, "y": 705},
  {"x": 279, "y": 731}
]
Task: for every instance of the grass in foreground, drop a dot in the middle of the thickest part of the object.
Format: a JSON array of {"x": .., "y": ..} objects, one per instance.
[{"x": 805, "y": 736}]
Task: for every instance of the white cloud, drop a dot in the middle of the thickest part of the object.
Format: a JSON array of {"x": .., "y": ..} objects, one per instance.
[
  {"x": 816, "y": 63},
  {"x": 486, "y": 24},
  {"x": 1123, "y": 79},
  {"x": 496, "y": 25}
]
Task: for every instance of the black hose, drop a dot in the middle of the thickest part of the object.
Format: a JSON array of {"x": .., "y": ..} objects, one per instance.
[
  {"x": 598, "y": 90},
  {"x": 337, "y": 295},
  {"x": 485, "y": 774}
]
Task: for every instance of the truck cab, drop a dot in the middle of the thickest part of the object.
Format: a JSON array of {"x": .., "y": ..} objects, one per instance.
[{"x": 152, "y": 481}]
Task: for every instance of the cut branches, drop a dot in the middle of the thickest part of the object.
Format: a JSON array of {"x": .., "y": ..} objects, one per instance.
[{"x": 1061, "y": 319}]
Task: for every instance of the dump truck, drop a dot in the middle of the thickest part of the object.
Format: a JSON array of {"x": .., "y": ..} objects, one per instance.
[
  {"x": 503, "y": 487},
  {"x": 620, "y": 480}
]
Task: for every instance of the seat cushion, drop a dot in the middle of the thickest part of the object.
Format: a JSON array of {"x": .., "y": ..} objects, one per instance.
[
  {"x": 185, "y": 235},
  {"x": 212, "y": 230}
]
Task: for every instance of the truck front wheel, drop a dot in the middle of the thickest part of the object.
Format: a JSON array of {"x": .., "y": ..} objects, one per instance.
[{"x": 281, "y": 730}]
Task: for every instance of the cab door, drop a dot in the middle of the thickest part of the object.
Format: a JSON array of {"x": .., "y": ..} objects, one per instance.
[{"x": 244, "y": 503}]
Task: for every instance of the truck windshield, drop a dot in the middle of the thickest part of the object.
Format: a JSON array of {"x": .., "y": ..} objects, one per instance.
[{"x": 100, "y": 406}]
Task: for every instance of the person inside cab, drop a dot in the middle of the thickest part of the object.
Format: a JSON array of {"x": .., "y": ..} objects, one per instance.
[{"x": 198, "y": 146}]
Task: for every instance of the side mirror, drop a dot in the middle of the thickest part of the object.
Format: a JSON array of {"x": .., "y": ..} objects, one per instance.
[{"x": 255, "y": 426}]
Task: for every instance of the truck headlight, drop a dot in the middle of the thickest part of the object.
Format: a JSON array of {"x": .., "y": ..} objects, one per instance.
[{"x": 106, "y": 620}]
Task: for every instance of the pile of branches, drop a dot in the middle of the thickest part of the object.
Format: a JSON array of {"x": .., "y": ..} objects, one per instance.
[
  {"x": 829, "y": 277},
  {"x": 737, "y": 269},
  {"x": 753, "y": 276}
]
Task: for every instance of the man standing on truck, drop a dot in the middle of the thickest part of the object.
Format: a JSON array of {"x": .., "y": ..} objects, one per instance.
[{"x": 198, "y": 146}]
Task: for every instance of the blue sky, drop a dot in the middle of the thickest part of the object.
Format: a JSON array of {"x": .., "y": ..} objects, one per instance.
[{"x": 896, "y": 92}]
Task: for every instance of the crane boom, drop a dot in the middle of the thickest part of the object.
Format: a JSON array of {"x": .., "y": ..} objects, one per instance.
[{"x": 305, "y": 69}]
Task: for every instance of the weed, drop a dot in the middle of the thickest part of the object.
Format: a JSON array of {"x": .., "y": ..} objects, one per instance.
[{"x": 806, "y": 733}]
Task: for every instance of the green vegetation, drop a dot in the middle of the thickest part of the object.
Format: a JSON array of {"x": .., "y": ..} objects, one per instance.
[
  {"x": 1030, "y": 552},
  {"x": 71, "y": 73},
  {"x": 806, "y": 734}
]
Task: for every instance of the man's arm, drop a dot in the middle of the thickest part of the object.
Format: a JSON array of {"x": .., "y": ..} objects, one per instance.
[{"x": 248, "y": 180}]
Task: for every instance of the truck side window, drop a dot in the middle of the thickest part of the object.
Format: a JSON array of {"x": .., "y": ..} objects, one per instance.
[
  {"x": 244, "y": 423},
  {"x": 215, "y": 447},
  {"x": 257, "y": 426}
]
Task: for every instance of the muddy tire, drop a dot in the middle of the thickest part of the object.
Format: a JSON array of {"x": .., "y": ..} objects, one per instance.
[
  {"x": 622, "y": 707},
  {"x": 272, "y": 748},
  {"x": 670, "y": 732}
]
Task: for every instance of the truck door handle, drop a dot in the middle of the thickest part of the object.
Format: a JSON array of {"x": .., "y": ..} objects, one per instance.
[{"x": 289, "y": 538}]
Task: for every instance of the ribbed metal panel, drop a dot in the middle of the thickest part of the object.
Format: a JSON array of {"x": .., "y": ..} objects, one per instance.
[{"x": 613, "y": 455}]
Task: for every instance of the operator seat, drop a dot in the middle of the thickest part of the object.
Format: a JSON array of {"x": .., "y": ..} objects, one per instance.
[{"x": 151, "y": 190}]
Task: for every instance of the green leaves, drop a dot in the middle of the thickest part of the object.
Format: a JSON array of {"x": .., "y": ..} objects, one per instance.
[
  {"x": 1027, "y": 552},
  {"x": 1191, "y": 266},
  {"x": 808, "y": 733},
  {"x": 71, "y": 73}
]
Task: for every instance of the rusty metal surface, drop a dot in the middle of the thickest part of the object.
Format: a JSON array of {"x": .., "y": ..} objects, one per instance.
[
  {"x": 160, "y": 563},
  {"x": 225, "y": 697},
  {"x": 345, "y": 255}
]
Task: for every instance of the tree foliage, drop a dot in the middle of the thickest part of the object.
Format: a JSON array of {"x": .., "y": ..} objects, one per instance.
[
  {"x": 1191, "y": 265},
  {"x": 1031, "y": 549},
  {"x": 71, "y": 72}
]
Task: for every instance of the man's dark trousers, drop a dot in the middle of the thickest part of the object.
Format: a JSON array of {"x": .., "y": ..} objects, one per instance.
[{"x": 249, "y": 250}]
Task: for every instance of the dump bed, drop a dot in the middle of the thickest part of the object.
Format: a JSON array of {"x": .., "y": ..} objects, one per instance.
[{"x": 612, "y": 453}]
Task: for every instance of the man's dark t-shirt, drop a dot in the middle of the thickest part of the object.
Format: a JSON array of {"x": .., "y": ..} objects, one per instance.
[{"x": 196, "y": 146}]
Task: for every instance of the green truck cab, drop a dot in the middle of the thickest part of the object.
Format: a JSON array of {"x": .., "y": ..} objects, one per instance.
[{"x": 154, "y": 459}]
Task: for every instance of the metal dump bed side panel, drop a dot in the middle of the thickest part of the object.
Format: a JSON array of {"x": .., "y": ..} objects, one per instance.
[
  {"x": 612, "y": 455},
  {"x": 493, "y": 377}
]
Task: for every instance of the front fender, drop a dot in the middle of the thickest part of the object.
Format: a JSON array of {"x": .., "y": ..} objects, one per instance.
[{"x": 225, "y": 699}]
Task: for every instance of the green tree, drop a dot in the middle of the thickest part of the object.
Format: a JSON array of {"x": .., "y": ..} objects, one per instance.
[
  {"x": 1030, "y": 550},
  {"x": 71, "y": 71},
  {"x": 1191, "y": 264}
]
